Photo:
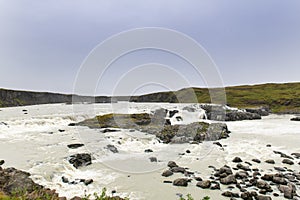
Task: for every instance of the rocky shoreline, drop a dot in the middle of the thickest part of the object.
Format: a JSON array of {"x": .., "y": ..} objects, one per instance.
[
  {"x": 17, "y": 184},
  {"x": 239, "y": 179}
]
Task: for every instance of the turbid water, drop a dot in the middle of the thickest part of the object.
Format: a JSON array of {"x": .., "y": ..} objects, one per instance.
[{"x": 33, "y": 142}]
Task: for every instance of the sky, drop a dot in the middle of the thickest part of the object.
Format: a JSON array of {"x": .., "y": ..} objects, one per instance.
[{"x": 43, "y": 44}]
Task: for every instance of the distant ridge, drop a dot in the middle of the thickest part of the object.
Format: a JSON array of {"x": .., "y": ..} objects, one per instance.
[{"x": 279, "y": 97}]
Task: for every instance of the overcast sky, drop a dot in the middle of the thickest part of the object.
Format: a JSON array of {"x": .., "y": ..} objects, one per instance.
[{"x": 43, "y": 43}]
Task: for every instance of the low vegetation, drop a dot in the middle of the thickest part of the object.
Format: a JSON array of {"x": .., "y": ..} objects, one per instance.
[{"x": 280, "y": 98}]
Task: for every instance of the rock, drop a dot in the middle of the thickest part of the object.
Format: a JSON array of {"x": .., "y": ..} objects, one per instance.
[
  {"x": 218, "y": 143},
  {"x": 72, "y": 124},
  {"x": 263, "y": 185},
  {"x": 297, "y": 155},
  {"x": 167, "y": 173},
  {"x": 270, "y": 161},
  {"x": 108, "y": 130},
  {"x": 148, "y": 151},
  {"x": 178, "y": 170},
  {"x": 239, "y": 115},
  {"x": 215, "y": 186},
  {"x": 295, "y": 119},
  {"x": 230, "y": 194},
  {"x": 79, "y": 160},
  {"x": 183, "y": 182},
  {"x": 112, "y": 148},
  {"x": 64, "y": 179},
  {"x": 153, "y": 159},
  {"x": 237, "y": 159},
  {"x": 172, "y": 113},
  {"x": 88, "y": 181},
  {"x": 243, "y": 167},
  {"x": 172, "y": 164},
  {"x": 188, "y": 151},
  {"x": 256, "y": 160},
  {"x": 261, "y": 197},
  {"x": 230, "y": 179},
  {"x": 279, "y": 180},
  {"x": 61, "y": 130},
  {"x": 281, "y": 169},
  {"x": 241, "y": 175},
  {"x": 287, "y": 191},
  {"x": 246, "y": 195},
  {"x": 167, "y": 182},
  {"x": 2, "y": 162},
  {"x": 204, "y": 184},
  {"x": 197, "y": 178},
  {"x": 268, "y": 145},
  {"x": 287, "y": 161},
  {"x": 283, "y": 155},
  {"x": 267, "y": 177},
  {"x": 225, "y": 169},
  {"x": 260, "y": 111},
  {"x": 75, "y": 146}
]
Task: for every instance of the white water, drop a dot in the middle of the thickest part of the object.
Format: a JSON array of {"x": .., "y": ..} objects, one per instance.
[{"x": 33, "y": 143}]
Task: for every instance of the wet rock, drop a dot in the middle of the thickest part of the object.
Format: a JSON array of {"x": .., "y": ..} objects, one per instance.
[
  {"x": 243, "y": 167},
  {"x": 268, "y": 145},
  {"x": 188, "y": 151},
  {"x": 88, "y": 181},
  {"x": 215, "y": 186},
  {"x": 246, "y": 195},
  {"x": 167, "y": 173},
  {"x": 148, "y": 151},
  {"x": 287, "y": 161},
  {"x": 183, "y": 182},
  {"x": 256, "y": 160},
  {"x": 237, "y": 160},
  {"x": 178, "y": 170},
  {"x": 241, "y": 175},
  {"x": 197, "y": 178},
  {"x": 218, "y": 143},
  {"x": 295, "y": 119},
  {"x": 167, "y": 182},
  {"x": 204, "y": 184},
  {"x": 108, "y": 130},
  {"x": 112, "y": 148},
  {"x": 287, "y": 191},
  {"x": 296, "y": 155},
  {"x": 270, "y": 161},
  {"x": 225, "y": 169},
  {"x": 281, "y": 169},
  {"x": 72, "y": 124},
  {"x": 61, "y": 130},
  {"x": 79, "y": 160},
  {"x": 263, "y": 185},
  {"x": 279, "y": 180},
  {"x": 172, "y": 164},
  {"x": 153, "y": 159},
  {"x": 2, "y": 162},
  {"x": 230, "y": 194},
  {"x": 283, "y": 155},
  {"x": 230, "y": 179},
  {"x": 261, "y": 197},
  {"x": 64, "y": 179},
  {"x": 267, "y": 177},
  {"x": 75, "y": 146}
]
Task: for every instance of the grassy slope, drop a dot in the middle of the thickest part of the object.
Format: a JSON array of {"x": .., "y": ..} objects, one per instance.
[{"x": 279, "y": 97}]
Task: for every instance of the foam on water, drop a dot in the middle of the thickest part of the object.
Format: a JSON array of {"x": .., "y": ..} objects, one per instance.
[{"x": 34, "y": 143}]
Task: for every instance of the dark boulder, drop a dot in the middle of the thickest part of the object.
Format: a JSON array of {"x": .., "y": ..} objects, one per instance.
[
  {"x": 75, "y": 146},
  {"x": 204, "y": 184},
  {"x": 183, "y": 182},
  {"x": 295, "y": 119},
  {"x": 287, "y": 161},
  {"x": 167, "y": 173},
  {"x": 79, "y": 160},
  {"x": 230, "y": 179},
  {"x": 237, "y": 159},
  {"x": 270, "y": 161},
  {"x": 112, "y": 148}
]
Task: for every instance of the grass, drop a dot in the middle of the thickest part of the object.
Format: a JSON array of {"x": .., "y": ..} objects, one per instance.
[{"x": 280, "y": 98}]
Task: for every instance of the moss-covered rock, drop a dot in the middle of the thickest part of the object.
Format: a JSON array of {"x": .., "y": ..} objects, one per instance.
[{"x": 156, "y": 124}]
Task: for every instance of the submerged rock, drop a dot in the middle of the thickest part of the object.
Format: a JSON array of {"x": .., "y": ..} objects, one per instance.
[{"x": 112, "y": 148}]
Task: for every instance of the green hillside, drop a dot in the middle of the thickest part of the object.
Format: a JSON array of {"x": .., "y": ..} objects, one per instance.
[{"x": 281, "y": 98}]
